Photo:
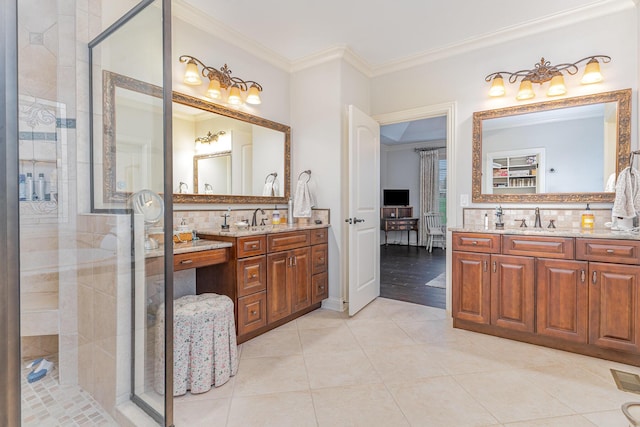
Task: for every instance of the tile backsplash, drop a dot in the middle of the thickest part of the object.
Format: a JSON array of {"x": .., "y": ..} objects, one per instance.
[
  {"x": 202, "y": 220},
  {"x": 563, "y": 218}
]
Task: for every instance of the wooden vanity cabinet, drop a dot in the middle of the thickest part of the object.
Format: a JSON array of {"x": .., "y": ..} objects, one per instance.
[
  {"x": 576, "y": 294},
  {"x": 491, "y": 288},
  {"x": 272, "y": 278}
]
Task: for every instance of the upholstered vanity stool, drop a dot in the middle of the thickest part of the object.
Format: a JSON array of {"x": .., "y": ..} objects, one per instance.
[{"x": 204, "y": 340}]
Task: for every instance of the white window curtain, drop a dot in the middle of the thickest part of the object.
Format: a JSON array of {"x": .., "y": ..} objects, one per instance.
[{"x": 428, "y": 189}]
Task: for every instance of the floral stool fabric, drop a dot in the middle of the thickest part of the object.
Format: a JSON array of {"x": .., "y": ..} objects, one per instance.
[{"x": 205, "y": 349}]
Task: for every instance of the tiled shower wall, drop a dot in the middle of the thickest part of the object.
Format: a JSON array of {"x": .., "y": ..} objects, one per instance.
[{"x": 104, "y": 308}]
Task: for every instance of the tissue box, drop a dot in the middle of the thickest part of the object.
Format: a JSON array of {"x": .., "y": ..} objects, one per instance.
[{"x": 182, "y": 236}]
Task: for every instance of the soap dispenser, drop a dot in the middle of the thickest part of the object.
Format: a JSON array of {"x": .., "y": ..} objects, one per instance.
[
  {"x": 275, "y": 217},
  {"x": 588, "y": 219}
]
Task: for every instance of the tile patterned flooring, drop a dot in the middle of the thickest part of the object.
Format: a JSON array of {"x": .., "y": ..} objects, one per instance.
[
  {"x": 47, "y": 403},
  {"x": 401, "y": 364}
]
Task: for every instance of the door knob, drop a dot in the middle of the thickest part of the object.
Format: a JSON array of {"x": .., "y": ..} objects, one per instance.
[
  {"x": 357, "y": 220},
  {"x": 349, "y": 220}
]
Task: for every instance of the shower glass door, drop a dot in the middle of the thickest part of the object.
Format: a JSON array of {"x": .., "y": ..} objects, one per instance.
[{"x": 92, "y": 258}]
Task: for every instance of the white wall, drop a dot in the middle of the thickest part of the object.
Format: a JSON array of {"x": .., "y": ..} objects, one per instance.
[
  {"x": 461, "y": 78},
  {"x": 319, "y": 97},
  {"x": 189, "y": 40}
]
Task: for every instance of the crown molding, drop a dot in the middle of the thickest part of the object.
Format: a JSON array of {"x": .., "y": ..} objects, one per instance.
[
  {"x": 330, "y": 54},
  {"x": 194, "y": 17},
  {"x": 528, "y": 28}
]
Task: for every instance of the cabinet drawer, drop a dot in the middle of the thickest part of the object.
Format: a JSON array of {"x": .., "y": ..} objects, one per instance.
[
  {"x": 252, "y": 312},
  {"x": 538, "y": 246},
  {"x": 319, "y": 259},
  {"x": 476, "y": 242},
  {"x": 616, "y": 251},
  {"x": 252, "y": 275},
  {"x": 250, "y": 246},
  {"x": 319, "y": 287},
  {"x": 200, "y": 259},
  {"x": 320, "y": 235},
  {"x": 285, "y": 241}
]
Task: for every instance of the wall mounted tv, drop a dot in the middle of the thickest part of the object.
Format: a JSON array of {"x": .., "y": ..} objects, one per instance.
[{"x": 395, "y": 197}]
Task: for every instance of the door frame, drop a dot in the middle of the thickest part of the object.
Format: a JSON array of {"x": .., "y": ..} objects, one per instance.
[
  {"x": 447, "y": 109},
  {"x": 10, "y": 402}
]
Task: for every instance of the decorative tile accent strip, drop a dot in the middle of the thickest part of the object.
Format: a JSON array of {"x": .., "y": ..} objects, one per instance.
[
  {"x": 38, "y": 136},
  {"x": 66, "y": 123},
  {"x": 36, "y": 38}
]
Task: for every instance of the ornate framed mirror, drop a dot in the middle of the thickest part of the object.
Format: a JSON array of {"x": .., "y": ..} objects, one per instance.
[
  {"x": 567, "y": 150},
  {"x": 206, "y": 137}
]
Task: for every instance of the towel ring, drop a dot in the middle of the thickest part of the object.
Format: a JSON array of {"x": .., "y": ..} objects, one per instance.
[
  {"x": 308, "y": 172},
  {"x": 274, "y": 175}
]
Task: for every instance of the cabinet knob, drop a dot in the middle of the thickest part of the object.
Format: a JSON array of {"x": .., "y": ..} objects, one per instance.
[
  {"x": 474, "y": 243},
  {"x": 594, "y": 277},
  {"x": 186, "y": 261},
  {"x": 253, "y": 276},
  {"x": 321, "y": 259},
  {"x": 322, "y": 288},
  {"x": 253, "y": 312},
  {"x": 254, "y": 246},
  {"x": 610, "y": 251}
]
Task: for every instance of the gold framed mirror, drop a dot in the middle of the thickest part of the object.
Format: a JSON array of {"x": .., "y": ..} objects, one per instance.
[
  {"x": 567, "y": 150},
  {"x": 268, "y": 142}
]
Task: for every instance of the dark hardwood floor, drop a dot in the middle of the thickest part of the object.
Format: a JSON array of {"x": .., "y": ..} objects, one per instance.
[{"x": 404, "y": 270}]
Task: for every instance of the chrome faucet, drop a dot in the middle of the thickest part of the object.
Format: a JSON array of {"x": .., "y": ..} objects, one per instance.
[
  {"x": 538, "y": 222},
  {"x": 254, "y": 220}
]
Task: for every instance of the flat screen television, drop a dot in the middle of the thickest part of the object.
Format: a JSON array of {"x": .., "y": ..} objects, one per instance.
[{"x": 395, "y": 197}]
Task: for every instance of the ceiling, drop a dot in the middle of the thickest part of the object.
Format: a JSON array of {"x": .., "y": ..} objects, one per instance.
[{"x": 381, "y": 32}]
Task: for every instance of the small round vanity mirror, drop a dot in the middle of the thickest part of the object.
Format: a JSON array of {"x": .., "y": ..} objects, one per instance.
[{"x": 151, "y": 207}]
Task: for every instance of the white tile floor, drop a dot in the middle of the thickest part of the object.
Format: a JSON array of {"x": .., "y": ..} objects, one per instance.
[{"x": 400, "y": 364}]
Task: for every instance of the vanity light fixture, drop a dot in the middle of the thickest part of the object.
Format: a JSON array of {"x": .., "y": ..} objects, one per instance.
[
  {"x": 544, "y": 72},
  {"x": 239, "y": 90},
  {"x": 209, "y": 137}
]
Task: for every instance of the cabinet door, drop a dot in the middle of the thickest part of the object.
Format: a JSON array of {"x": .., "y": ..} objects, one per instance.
[
  {"x": 299, "y": 278},
  {"x": 319, "y": 287},
  {"x": 562, "y": 299},
  {"x": 251, "y": 274},
  {"x": 614, "y": 306},
  {"x": 251, "y": 312},
  {"x": 512, "y": 292},
  {"x": 319, "y": 256},
  {"x": 471, "y": 287},
  {"x": 278, "y": 291}
]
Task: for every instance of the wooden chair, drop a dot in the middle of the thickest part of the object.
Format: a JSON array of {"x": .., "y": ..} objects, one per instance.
[{"x": 436, "y": 231}]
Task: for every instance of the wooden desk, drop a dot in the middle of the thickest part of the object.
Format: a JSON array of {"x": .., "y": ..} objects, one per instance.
[{"x": 399, "y": 224}]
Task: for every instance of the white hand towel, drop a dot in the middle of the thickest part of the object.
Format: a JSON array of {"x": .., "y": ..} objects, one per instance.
[
  {"x": 268, "y": 189},
  {"x": 303, "y": 200},
  {"x": 627, "y": 201}
]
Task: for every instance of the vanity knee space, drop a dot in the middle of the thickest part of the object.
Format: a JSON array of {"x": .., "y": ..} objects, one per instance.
[{"x": 572, "y": 293}]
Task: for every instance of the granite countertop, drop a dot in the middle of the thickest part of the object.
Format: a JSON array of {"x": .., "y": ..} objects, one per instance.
[
  {"x": 187, "y": 247},
  {"x": 261, "y": 229},
  {"x": 598, "y": 233}
]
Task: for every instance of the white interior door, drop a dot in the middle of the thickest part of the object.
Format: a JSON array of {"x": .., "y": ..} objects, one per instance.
[{"x": 364, "y": 210}]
